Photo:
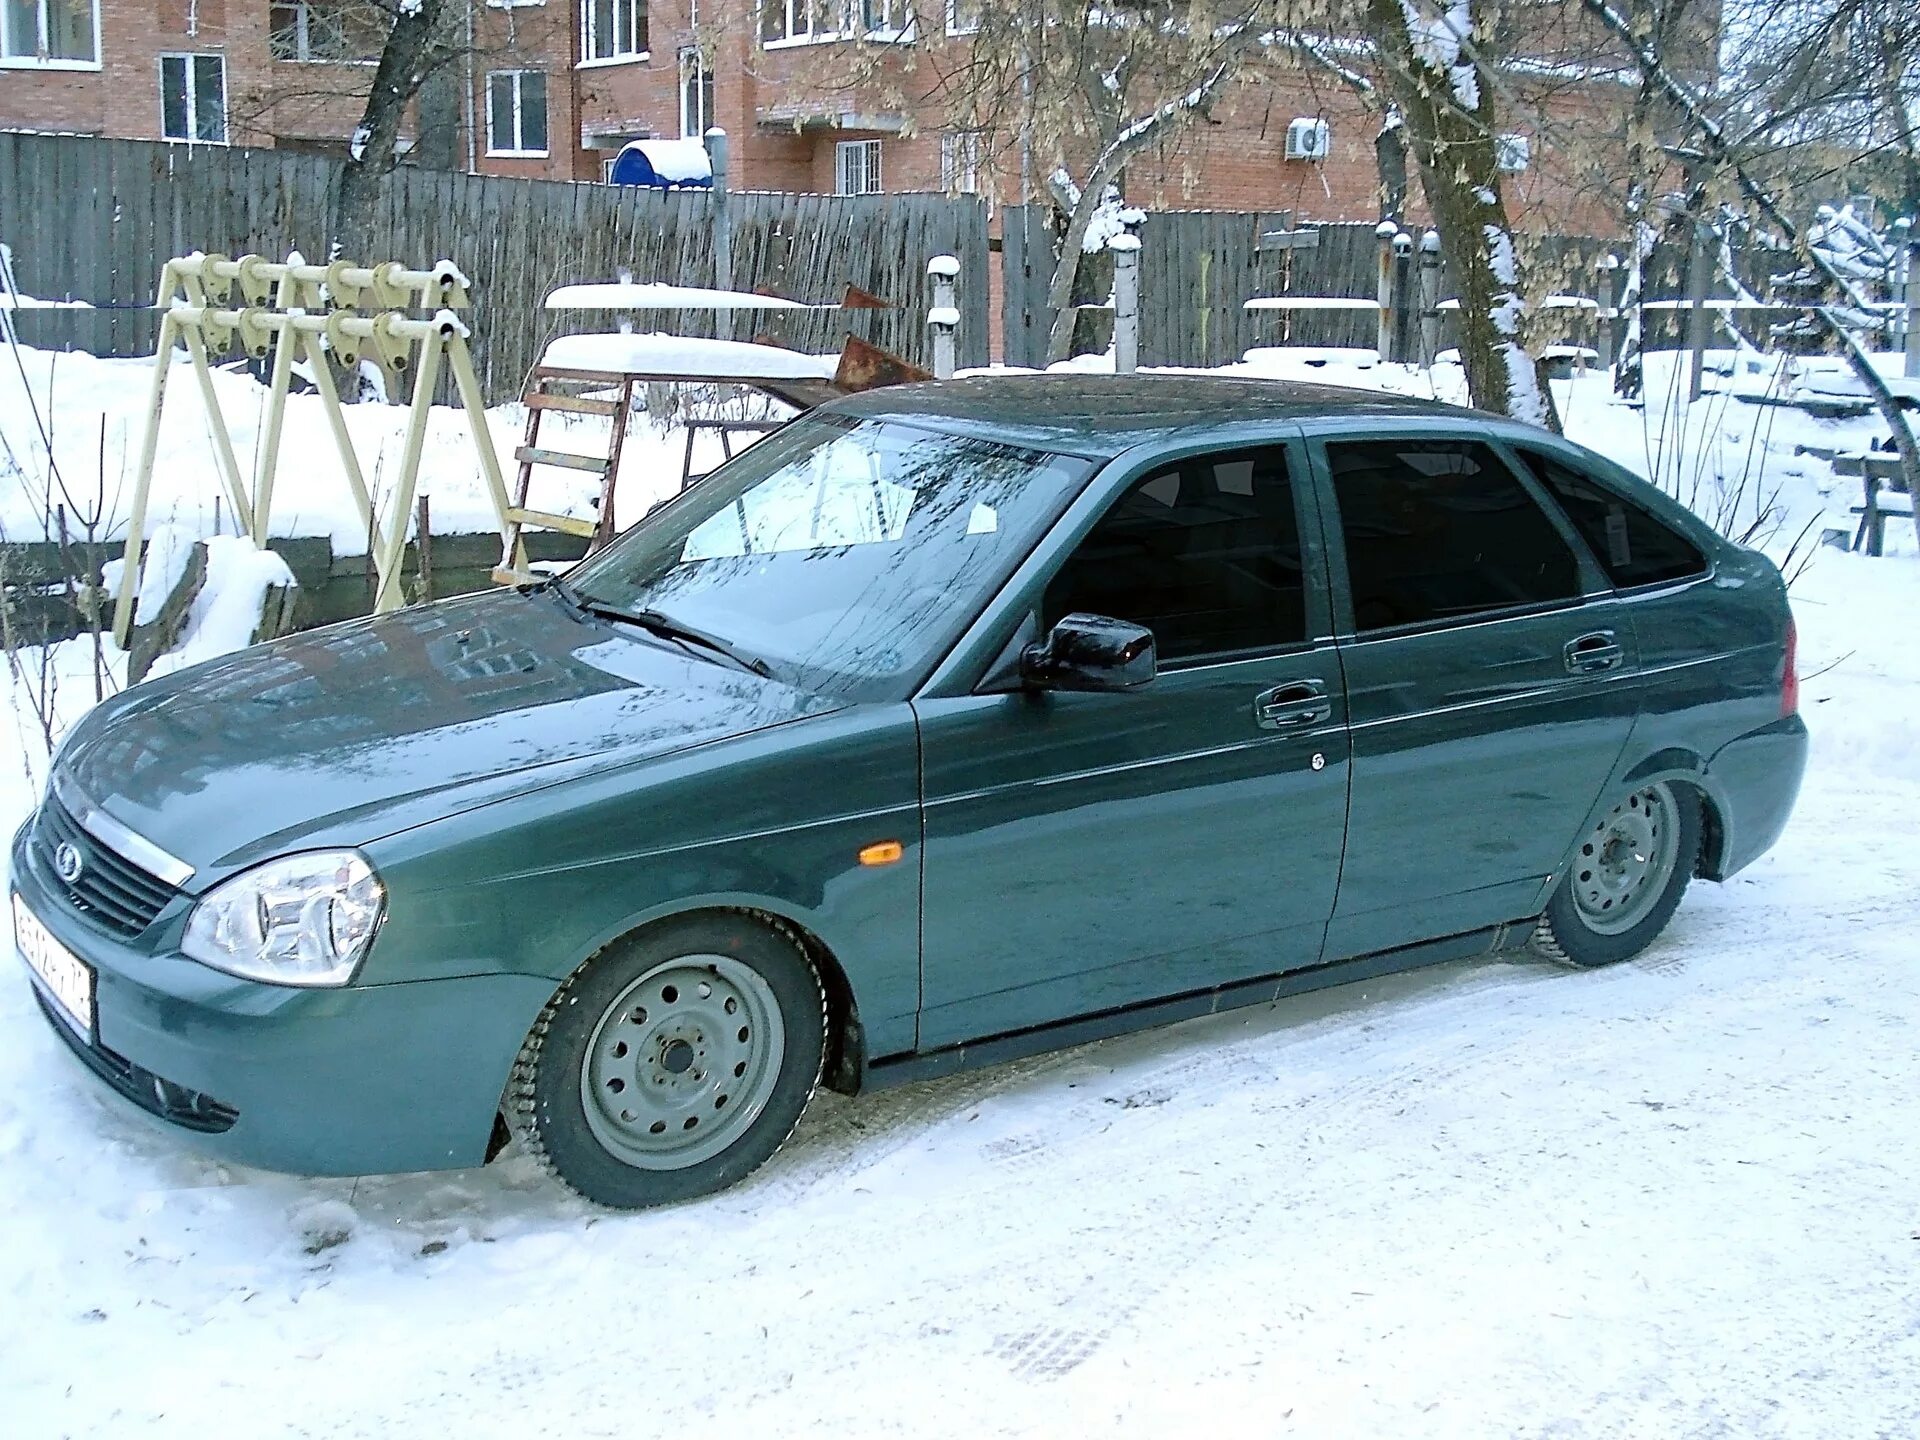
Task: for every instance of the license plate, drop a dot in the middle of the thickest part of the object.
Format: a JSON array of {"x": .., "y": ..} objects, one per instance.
[{"x": 67, "y": 977}]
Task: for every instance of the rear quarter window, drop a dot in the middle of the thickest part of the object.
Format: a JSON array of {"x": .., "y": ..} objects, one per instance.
[{"x": 1632, "y": 546}]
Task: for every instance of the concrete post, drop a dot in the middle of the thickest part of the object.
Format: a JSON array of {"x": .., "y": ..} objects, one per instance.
[
  {"x": 944, "y": 318},
  {"x": 1126, "y": 303},
  {"x": 1429, "y": 297},
  {"x": 1608, "y": 267},
  {"x": 1383, "y": 334},
  {"x": 1402, "y": 295},
  {"x": 716, "y": 141}
]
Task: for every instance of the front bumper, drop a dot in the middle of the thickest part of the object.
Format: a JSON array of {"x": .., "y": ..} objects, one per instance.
[{"x": 360, "y": 1080}]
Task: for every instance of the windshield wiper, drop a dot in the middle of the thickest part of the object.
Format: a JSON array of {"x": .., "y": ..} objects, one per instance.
[{"x": 668, "y": 628}]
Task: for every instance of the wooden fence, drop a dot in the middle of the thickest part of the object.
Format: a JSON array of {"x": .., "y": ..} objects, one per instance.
[{"x": 95, "y": 219}]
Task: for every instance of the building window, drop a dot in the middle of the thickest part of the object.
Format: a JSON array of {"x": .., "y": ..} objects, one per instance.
[
  {"x": 960, "y": 162},
  {"x": 1512, "y": 153},
  {"x": 193, "y": 98},
  {"x": 517, "y": 112},
  {"x": 785, "y": 22},
  {"x": 613, "y": 29},
  {"x": 963, "y": 16},
  {"x": 49, "y": 32},
  {"x": 856, "y": 167},
  {"x": 323, "y": 30},
  {"x": 696, "y": 94}
]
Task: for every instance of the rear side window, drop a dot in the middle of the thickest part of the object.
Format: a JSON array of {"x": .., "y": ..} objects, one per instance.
[
  {"x": 1439, "y": 530},
  {"x": 1631, "y": 546},
  {"x": 1205, "y": 554}
]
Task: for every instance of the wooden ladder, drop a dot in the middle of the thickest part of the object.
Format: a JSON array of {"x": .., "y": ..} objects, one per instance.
[{"x": 552, "y": 388}]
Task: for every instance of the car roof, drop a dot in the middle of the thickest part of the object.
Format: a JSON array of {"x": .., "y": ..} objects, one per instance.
[{"x": 1101, "y": 416}]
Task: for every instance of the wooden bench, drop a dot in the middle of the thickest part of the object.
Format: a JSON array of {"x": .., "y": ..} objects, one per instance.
[{"x": 1875, "y": 469}]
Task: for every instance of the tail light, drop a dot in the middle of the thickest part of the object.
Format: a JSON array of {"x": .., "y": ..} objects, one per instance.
[{"x": 1790, "y": 676}]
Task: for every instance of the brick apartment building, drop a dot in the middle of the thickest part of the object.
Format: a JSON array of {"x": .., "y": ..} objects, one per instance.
[{"x": 554, "y": 88}]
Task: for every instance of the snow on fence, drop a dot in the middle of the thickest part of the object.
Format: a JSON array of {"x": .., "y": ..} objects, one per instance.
[{"x": 95, "y": 220}]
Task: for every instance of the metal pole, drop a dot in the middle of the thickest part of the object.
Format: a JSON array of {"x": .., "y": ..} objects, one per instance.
[
  {"x": 394, "y": 548},
  {"x": 1126, "y": 303},
  {"x": 944, "y": 317},
  {"x": 722, "y": 226},
  {"x": 1429, "y": 297},
  {"x": 1383, "y": 334},
  {"x": 269, "y": 455},
  {"x": 1697, "y": 276}
]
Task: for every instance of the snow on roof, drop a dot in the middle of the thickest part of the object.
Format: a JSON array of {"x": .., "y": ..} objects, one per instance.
[
  {"x": 653, "y": 295},
  {"x": 675, "y": 161},
  {"x": 686, "y": 355}
]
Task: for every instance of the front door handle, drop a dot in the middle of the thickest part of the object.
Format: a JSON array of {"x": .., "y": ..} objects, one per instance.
[
  {"x": 1292, "y": 706},
  {"x": 1592, "y": 654}
]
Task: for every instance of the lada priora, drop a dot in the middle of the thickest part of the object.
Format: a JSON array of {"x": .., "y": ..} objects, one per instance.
[{"x": 946, "y": 724}]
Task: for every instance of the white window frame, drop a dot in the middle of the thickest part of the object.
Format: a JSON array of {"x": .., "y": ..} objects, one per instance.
[
  {"x": 960, "y": 161},
  {"x": 872, "y": 175},
  {"x": 691, "y": 56},
  {"x": 304, "y": 41},
  {"x": 519, "y": 121},
  {"x": 188, "y": 70},
  {"x": 639, "y": 23},
  {"x": 842, "y": 16},
  {"x": 1513, "y": 153},
  {"x": 34, "y": 60},
  {"x": 957, "y": 24}
]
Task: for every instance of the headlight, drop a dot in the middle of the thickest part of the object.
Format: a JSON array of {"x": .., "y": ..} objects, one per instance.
[{"x": 302, "y": 920}]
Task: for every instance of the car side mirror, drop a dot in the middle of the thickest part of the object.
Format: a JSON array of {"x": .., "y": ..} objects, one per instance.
[{"x": 1090, "y": 652}]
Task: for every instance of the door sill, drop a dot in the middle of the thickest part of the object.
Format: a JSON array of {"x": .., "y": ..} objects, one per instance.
[{"x": 1265, "y": 990}]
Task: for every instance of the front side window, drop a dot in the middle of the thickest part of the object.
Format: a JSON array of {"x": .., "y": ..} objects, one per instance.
[
  {"x": 48, "y": 31},
  {"x": 696, "y": 94},
  {"x": 845, "y": 554},
  {"x": 193, "y": 98},
  {"x": 1440, "y": 530},
  {"x": 1631, "y": 546},
  {"x": 517, "y": 112},
  {"x": 613, "y": 29},
  {"x": 856, "y": 167},
  {"x": 1205, "y": 554}
]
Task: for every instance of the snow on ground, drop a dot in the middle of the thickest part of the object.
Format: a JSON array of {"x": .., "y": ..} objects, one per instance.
[
  {"x": 1674, "y": 1198},
  {"x": 99, "y": 408}
]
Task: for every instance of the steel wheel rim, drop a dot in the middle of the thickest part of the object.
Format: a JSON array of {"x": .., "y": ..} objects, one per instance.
[
  {"x": 683, "y": 1062},
  {"x": 1622, "y": 868}
]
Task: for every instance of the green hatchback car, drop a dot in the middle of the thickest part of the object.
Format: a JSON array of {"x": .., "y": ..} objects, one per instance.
[{"x": 946, "y": 724}]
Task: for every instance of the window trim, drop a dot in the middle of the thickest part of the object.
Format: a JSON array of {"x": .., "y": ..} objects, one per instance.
[
  {"x": 848, "y": 29},
  {"x": 37, "y": 62},
  {"x": 704, "y": 85},
  {"x": 160, "y": 75},
  {"x": 875, "y": 166},
  {"x": 306, "y": 7},
  {"x": 1592, "y": 581},
  {"x": 641, "y": 32},
  {"x": 1517, "y": 460},
  {"x": 519, "y": 128}
]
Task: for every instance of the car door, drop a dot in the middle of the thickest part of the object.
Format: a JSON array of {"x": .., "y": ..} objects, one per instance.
[
  {"x": 1087, "y": 852},
  {"x": 1489, "y": 680}
]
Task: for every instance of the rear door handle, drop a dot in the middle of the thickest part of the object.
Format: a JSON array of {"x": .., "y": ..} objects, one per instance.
[
  {"x": 1292, "y": 706},
  {"x": 1592, "y": 654}
]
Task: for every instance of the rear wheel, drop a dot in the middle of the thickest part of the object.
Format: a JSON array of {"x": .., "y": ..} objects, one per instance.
[
  {"x": 674, "y": 1063},
  {"x": 1625, "y": 880}
]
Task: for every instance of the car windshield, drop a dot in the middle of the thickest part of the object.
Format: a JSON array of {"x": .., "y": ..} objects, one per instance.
[{"x": 842, "y": 555}]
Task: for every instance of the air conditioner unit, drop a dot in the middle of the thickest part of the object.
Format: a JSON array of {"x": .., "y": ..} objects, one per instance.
[{"x": 1308, "y": 139}]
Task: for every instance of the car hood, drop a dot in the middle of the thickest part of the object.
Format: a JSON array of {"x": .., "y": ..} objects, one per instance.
[{"x": 345, "y": 734}]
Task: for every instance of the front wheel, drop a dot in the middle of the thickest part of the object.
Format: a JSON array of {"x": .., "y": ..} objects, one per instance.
[
  {"x": 674, "y": 1063},
  {"x": 1625, "y": 880}
]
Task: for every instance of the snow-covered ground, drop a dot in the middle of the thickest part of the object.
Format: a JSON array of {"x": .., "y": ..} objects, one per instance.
[{"x": 1676, "y": 1198}]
